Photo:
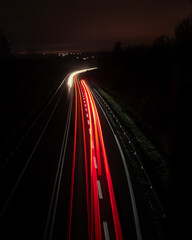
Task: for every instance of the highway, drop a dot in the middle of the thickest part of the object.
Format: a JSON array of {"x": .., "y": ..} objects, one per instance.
[{"x": 70, "y": 178}]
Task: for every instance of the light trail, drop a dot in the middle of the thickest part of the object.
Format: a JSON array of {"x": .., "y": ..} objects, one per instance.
[
  {"x": 86, "y": 163},
  {"x": 135, "y": 213},
  {"x": 96, "y": 152},
  {"x": 91, "y": 103},
  {"x": 2, "y": 212},
  {"x": 55, "y": 194},
  {"x": 95, "y": 209},
  {"x": 73, "y": 167},
  {"x": 71, "y": 80},
  {"x": 96, "y": 137},
  {"x": 72, "y": 75}
]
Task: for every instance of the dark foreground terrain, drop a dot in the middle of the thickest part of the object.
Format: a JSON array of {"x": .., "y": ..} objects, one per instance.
[
  {"x": 148, "y": 89},
  {"x": 27, "y": 84}
]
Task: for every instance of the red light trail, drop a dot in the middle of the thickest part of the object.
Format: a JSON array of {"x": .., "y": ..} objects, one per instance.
[
  {"x": 86, "y": 164},
  {"x": 94, "y": 189},
  {"x": 94, "y": 153},
  {"x": 115, "y": 214}
]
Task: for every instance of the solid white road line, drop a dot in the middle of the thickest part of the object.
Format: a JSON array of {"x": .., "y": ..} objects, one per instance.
[
  {"x": 28, "y": 161},
  {"x": 56, "y": 188}
]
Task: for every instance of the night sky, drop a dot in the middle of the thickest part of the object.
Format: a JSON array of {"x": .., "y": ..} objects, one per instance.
[{"x": 74, "y": 25}]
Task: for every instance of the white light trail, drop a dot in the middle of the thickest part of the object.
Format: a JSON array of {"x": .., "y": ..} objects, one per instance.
[{"x": 70, "y": 79}]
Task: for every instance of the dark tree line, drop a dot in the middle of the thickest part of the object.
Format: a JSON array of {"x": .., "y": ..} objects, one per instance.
[
  {"x": 5, "y": 45},
  {"x": 152, "y": 81}
]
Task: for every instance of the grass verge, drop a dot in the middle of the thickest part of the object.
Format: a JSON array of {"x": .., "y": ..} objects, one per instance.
[{"x": 150, "y": 167}]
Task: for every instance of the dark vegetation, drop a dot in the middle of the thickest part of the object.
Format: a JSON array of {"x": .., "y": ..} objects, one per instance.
[
  {"x": 152, "y": 84},
  {"x": 150, "y": 81}
]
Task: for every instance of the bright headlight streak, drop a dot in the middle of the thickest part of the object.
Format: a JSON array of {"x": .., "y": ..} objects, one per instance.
[
  {"x": 71, "y": 77},
  {"x": 73, "y": 169}
]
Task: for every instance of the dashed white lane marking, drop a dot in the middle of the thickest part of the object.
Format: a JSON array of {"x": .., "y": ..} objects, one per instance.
[
  {"x": 88, "y": 122},
  {"x": 99, "y": 189},
  {"x": 133, "y": 202},
  {"x": 87, "y": 115},
  {"x": 106, "y": 230},
  {"x": 95, "y": 162}
]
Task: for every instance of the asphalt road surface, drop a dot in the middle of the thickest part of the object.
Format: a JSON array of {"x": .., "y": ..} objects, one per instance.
[{"x": 70, "y": 178}]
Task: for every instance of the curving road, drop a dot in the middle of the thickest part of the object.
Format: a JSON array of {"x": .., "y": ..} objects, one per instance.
[{"x": 70, "y": 178}]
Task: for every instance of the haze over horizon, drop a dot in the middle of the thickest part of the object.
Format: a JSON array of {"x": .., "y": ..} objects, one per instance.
[{"x": 88, "y": 25}]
